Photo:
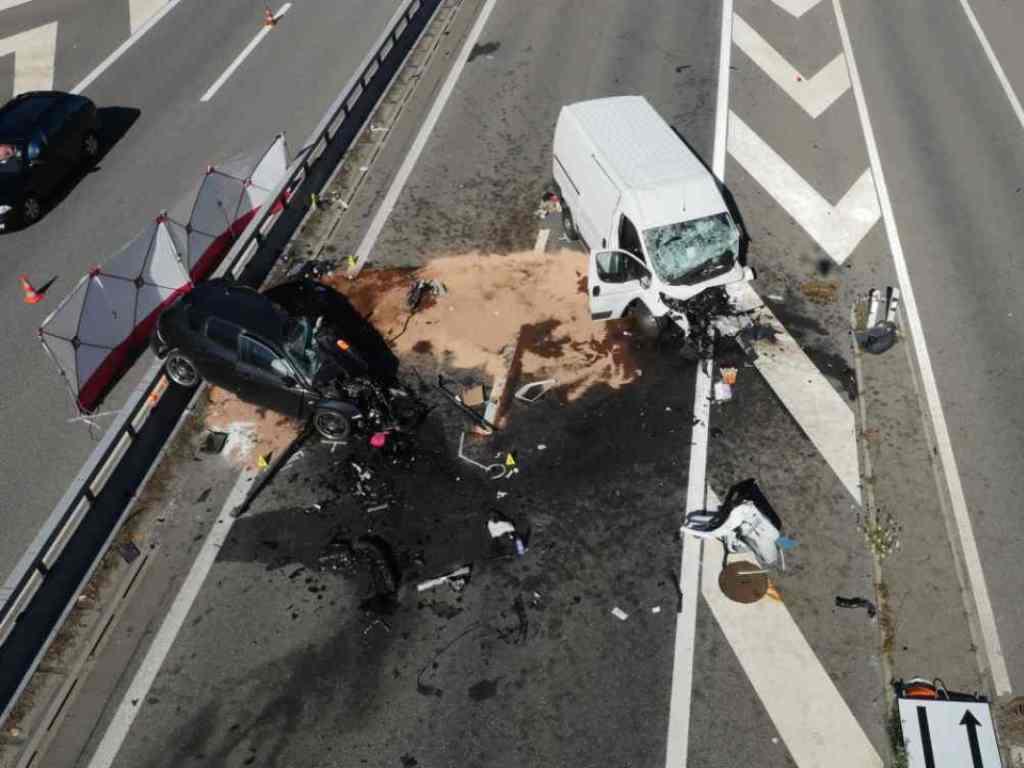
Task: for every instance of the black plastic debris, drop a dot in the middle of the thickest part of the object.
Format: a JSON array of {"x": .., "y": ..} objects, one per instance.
[
  {"x": 214, "y": 442},
  {"x": 878, "y": 339},
  {"x": 421, "y": 288},
  {"x": 857, "y": 602},
  {"x": 204, "y": 496},
  {"x": 128, "y": 551}
]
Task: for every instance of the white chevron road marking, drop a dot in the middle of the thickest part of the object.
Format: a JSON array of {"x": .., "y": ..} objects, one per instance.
[
  {"x": 34, "y": 53},
  {"x": 803, "y": 703},
  {"x": 814, "y": 94},
  {"x": 838, "y": 228},
  {"x": 139, "y": 12},
  {"x": 5, "y": 4},
  {"x": 796, "y": 7}
]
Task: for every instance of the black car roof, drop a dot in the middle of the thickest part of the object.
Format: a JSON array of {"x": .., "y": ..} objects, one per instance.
[
  {"x": 241, "y": 306},
  {"x": 21, "y": 114}
]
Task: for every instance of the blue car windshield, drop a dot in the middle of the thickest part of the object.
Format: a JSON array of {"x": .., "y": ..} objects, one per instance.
[{"x": 687, "y": 250}]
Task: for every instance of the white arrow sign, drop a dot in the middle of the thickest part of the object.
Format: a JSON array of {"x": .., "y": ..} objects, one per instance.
[
  {"x": 837, "y": 229},
  {"x": 34, "y": 53},
  {"x": 814, "y": 94},
  {"x": 796, "y": 7}
]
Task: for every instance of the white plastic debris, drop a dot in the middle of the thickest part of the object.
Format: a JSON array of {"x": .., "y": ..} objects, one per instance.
[
  {"x": 656, "y": 609},
  {"x": 502, "y": 495},
  {"x": 619, "y": 614},
  {"x": 456, "y": 578},
  {"x": 499, "y": 528},
  {"x": 723, "y": 392},
  {"x": 541, "y": 447}
]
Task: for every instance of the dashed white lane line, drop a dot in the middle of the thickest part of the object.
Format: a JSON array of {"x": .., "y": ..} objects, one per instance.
[
  {"x": 813, "y": 94},
  {"x": 1004, "y": 81},
  {"x": 380, "y": 218},
  {"x": 542, "y": 240},
  {"x": 805, "y": 706},
  {"x": 838, "y": 228},
  {"x": 678, "y": 741},
  {"x": 972, "y": 558},
  {"x": 212, "y": 90},
  {"x": 135, "y": 696}
]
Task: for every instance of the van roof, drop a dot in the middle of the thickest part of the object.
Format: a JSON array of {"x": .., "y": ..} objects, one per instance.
[{"x": 634, "y": 143}]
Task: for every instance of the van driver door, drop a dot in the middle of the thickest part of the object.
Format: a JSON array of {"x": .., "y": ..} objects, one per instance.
[{"x": 615, "y": 278}]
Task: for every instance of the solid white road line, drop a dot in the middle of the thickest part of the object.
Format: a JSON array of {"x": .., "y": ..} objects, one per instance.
[
  {"x": 1004, "y": 81},
  {"x": 120, "y": 50},
  {"x": 5, "y": 4},
  {"x": 837, "y": 229},
  {"x": 139, "y": 12},
  {"x": 380, "y": 218},
  {"x": 34, "y": 53},
  {"x": 796, "y": 7},
  {"x": 212, "y": 90},
  {"x": 542, "y": 240},
  {"x": 813, "y": 94},
  {"x": 678, "y": 742},
  {"x": 972, "y": 559},
  {"x": 135, "y": 696},
  {"x": 805, "y": 706},
  {"x": 722, "y": 101}
]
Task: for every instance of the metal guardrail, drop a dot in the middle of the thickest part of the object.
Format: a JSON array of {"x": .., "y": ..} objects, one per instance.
[{"x": 60, "y": 561}]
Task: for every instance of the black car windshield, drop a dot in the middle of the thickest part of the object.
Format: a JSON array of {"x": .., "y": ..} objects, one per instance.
[
  {"x": 10, "y": 158},
  {"x": 687, "y": 250},
  {"x": 300, "y": 346}
]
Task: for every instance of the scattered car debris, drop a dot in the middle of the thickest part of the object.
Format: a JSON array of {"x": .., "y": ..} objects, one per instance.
[
  {"x": 550, "y": 203},
  {"x": 129, "y": 551},
  {"x": 214, "y": 442},
  {"x": 857, "y": 602},
  {"x": 203, "y": 496},
  {"x": 457, "y": 580},
  {"x": 499, "y": 528},
  {"x": 878, "y": 336},
  {"x": 532, "y": 392},
  {"x": 619, "y": 614},
  {"x": 485, "y": 426},
  {"x": 504, "y": 531},
  {"x": 729, "y": 376},
  {"x": 745, "y": 522},
  {"x": 494, "y": 471},
  {"x": 337, "y": 555},
  {"x": 656, "y": 609},
  {"x": 723, "y": 392},
  {"x": 421, "y": 288}
]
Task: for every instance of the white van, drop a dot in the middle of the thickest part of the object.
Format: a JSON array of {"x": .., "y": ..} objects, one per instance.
[{"x": 651, "y": 213}]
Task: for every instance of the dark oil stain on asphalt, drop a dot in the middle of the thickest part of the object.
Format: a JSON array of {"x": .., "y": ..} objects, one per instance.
[
  {"x": 834, "y": 367},
  {"x": 483, "y": 49},
  {"x": 483, "y": 690}
]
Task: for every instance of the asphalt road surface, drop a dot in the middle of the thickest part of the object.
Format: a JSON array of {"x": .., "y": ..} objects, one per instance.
[
  {"x": 951, "y": 144},
  {"x": 159, "y": 140}
]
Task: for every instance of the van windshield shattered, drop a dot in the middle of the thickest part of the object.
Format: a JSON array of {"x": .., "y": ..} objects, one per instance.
[{"x": 688, "y": 251}]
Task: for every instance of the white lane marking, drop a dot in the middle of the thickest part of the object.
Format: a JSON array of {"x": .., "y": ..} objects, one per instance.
[
  {"x": 135, "y": 696},
  {"x": 139, "y": 12},
  {"x": 34, "y": 53},
  {"x": 972, "y": 559},
  {"x": 118, "y": 52},
  {"x": 811, "y": 400},
  {"x": 838, "y": 228},
  {"x": 722, "y": 101},
  {"x": 542, "y": 240},
  {"x": 1004, "y": 81},
  {"x": 813, "y": 94},
  {"x": 380, "y": 218},
  {"x": 212, "y": 90},
  {"x": 804, "y": 704},
  {"x": 5, "y": 4},
  {"x": 796, "y": 7},
  {"x": 678, "y": 741}
]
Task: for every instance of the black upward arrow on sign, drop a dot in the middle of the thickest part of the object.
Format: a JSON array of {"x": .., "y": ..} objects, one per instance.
[{"x": 970, "y": 722}]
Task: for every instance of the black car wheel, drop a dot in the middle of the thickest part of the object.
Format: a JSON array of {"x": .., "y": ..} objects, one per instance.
[
  {"x": 332, "y": 424},
  {"x": 181, "y": 370},
  {"x": 31, "y": 210},
  {"x": 91, "y": 147},
  {"x": 569, "y": 224},
  {"x": 646, "y": 324}
]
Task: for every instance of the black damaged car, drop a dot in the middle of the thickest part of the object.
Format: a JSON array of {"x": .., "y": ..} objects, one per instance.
[{"x": 291, "y": 349}]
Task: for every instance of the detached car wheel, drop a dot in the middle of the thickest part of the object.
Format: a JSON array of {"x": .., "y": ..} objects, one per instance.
[
  {"x": 332, "y": 424},
  {"x": 181, "y": 370},
  {"x": 31, "y": 210}
]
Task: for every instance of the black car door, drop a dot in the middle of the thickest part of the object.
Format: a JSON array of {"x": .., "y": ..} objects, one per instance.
[
  {"x": 267, "y": 378},
  {"x": 45, "y": 168},
  {"x": 216, "y": 352}
]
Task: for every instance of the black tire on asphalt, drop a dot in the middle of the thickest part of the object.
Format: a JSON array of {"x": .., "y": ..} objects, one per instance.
[
  {"x": 331, "y": 423},
  {"x": 31, "y": 210},
  {"x": 569, "y": 224},
  {"x": 90, "y": 148},
  {"x": 181, "y": 370}
]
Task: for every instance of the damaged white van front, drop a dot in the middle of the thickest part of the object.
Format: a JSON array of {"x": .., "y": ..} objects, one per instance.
[{"x": 652, "y": 214}]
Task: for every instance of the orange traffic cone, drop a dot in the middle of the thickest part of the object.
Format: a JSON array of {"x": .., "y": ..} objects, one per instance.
[
  {"x": 31, "y": 296},
  {"x": 268, "y": 17}
]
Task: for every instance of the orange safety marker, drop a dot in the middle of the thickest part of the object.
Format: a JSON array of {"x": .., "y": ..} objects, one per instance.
[{"x": 31, "y": 295}]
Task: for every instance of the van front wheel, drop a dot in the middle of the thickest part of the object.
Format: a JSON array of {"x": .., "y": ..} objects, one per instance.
[
  {"x": 569, "y": 224},
  {"x": 646, "y": 324}
]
